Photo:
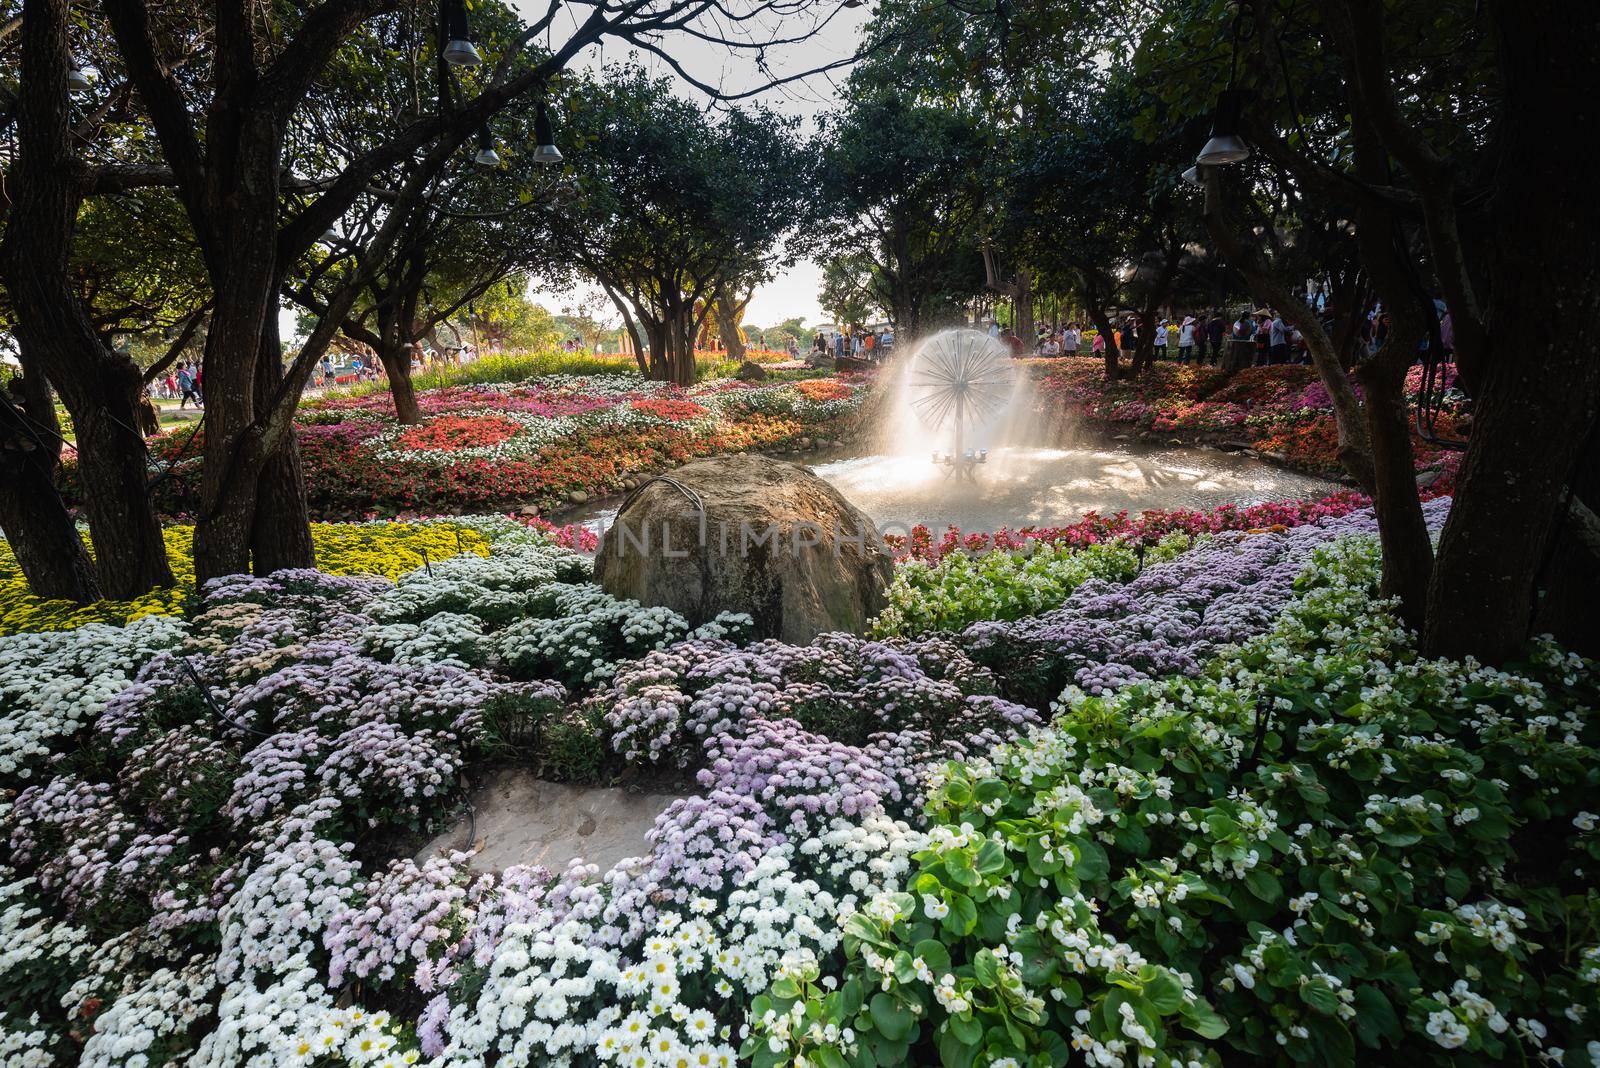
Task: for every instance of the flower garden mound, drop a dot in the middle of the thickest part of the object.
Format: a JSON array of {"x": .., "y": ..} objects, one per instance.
[
  {"x": 518, "y": 819},
  {"x": 749, "y": 534},
  {"x": 537, "y": 443},
  {"x": 1313, "y": 847}
]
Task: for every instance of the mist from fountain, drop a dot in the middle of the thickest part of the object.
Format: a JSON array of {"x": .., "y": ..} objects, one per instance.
[{"x": 953, "y": 391}]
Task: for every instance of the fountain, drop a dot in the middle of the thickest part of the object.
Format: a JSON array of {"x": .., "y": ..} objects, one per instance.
[
  {"x": 957, "y": 396},
  {"x": 959, "y": 381}
]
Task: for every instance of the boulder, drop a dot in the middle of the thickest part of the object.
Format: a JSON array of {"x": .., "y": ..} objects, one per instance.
[
  {"x": 748, "y": 534},
  {"x": 751, "y": 372}
]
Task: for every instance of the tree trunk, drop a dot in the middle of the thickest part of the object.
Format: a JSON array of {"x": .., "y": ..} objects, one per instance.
[
  {"x": 1536, "y": 410},
  {"x": 1022, "y": 289},
  {"x": 99, "y": 387},
  {"x": 280, "y": 535},
  {"x": 130, "y": 554},
  {"x": 33, "y": 517},
  {"x": 656, "y": 338},
  {"x": 1097, "y": 316},
  {"x": 41, "y": 534},
  {"x": 680, "y": 350},
  {"x": 1540, "y": 385},
  {"x": 729, "y": 312},
  {"x": 1407, "y": 547},
  {"x": 396, "y": 359},
  {"x": 1570, "y": 581}
]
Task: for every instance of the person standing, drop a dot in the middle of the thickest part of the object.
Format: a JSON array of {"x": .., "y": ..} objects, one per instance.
[
  {"x": 186, "y": 388},
  {"x": 1216, "y": 330},
  {"x": 1263, "y": 339},
  {"x": 1160, "y": 339},
  {"x": 1278, "y": 339},
  {"x": 1186, "y": 339},
  {"x": 1071, "y": 340}
]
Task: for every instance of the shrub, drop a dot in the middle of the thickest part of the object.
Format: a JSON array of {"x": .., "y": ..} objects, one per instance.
[
  {"x": 1322, "y": 846},
  {"x": 964, "y": 587}
]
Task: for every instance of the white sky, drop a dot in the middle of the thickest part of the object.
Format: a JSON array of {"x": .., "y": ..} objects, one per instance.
[{"x": 793, "y": 291}]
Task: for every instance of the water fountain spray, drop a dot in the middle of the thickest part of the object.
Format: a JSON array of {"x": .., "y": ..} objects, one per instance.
[{"x": 961, "y": 380}]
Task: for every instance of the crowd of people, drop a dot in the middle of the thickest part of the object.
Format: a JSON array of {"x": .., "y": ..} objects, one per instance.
[
  {"x": 857, "y": 342},
  {"x": 1198, "y": 337},
  {"x": 181, "y": 383}
]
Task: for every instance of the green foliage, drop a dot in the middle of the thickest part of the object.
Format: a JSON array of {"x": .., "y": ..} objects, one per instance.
[
  {"x": 1324, "y": 850},
  {"x": 965, "y": 587}
]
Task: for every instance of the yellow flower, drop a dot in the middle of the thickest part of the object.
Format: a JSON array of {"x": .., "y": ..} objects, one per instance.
[{"x": 387, "y": 549}]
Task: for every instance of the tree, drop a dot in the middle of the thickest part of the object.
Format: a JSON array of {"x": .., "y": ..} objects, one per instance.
[
  {"x": 1095, "y": 207},
  {"x": 662, "y": 218},
  {"x": 847, "y": 289},
  {"x": 898, "y": 187},
  {"x": 504, "y": 316},
  {"x": 1417, "y": 122},
  {"x": 224, "y": 132},
  {"x": 60, "y": 343}
]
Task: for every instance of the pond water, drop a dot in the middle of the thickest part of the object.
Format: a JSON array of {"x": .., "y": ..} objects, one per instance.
[{"x": 1025, "y": 485}]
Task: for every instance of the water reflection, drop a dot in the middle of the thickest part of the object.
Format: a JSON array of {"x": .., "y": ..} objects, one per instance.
[{"x": 1024, "y": 485}]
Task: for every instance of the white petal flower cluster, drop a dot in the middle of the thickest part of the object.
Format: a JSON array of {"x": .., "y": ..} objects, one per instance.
[{"x": 54, "y": 684}]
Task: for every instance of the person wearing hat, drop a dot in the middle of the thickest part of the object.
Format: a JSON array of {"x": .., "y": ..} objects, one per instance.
[{"x": 1186, "y": 333}]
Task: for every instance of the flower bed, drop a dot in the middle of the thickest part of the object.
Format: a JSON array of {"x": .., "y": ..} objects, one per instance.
[
  {"x": 1284, "y": 410},
  {"x": 388, "y": 549},
  {"x": 1148, "y": 528},
  {"x": 1324, "y": 850},
  {"x": 965, "y": 587},
  {"x": 1289, "y": 850},
  {"x": 493, "y": 446},
  {"x": 1169, "y": 620}
]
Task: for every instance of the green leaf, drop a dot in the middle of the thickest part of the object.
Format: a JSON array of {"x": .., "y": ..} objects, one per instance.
[
  {"x": 967, "y": 1027},
  {"x": 829, "y": 1057},
  {"x": 963, "y": 915},
  {"x": 1320, "y": 997},
  {"x": 1165, "y": 993},
  {"x": 986, "y": 969},
  {"x": 850, "y": 998},
  {"x": 958, "y": 1052},
  {"x": 959, "y": 866},
  {"x": 1263, "y": 884},
  {"x": 891, "y": 1020},
  {"x": 1375, "y": 1018},
  {"x": 1203, "y": 1020},
  {"x": 991, "y": 857},
  {"x": 1093, "y": 864},
  {"x": 990, "y": 790}
]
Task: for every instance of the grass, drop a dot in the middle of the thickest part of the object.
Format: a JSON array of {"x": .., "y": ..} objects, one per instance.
[{"x": 515, "y": 367}]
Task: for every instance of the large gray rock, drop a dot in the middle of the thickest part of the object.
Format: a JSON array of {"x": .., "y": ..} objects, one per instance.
[{"x": 748, "y": 534}]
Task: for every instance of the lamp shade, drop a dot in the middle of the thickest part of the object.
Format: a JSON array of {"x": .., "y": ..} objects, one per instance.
[
  {"x": 1192, "y": 176},
  {"x": 78, "y": 80},
  {"x": 1225, "y": 145},
  {"x": 486, "y": 157},
  {"x": 459, "y": 51},
  {"x": 462, "y": 53},
  {"x": 545, "y": 151}
]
